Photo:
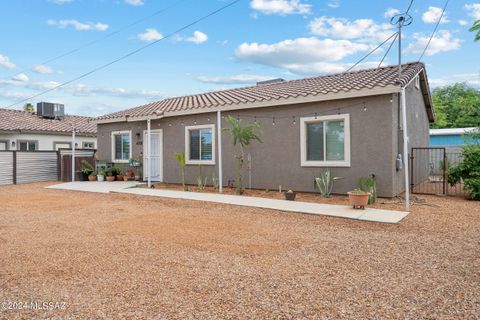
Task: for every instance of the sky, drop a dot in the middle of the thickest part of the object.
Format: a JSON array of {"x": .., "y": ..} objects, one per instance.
[{"x": 251, "y": 41}]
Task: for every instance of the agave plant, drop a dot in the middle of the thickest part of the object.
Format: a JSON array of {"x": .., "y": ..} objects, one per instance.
[
  {"x": 201, "y": 180},
  {"x": 325, "y": 183}
]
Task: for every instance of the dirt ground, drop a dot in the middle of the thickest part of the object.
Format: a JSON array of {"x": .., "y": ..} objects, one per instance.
[{"x": 128, "y": 257}]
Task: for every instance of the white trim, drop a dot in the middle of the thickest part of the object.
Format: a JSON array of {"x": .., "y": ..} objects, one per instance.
[
  {"x": 220, "y": 165},
  {"x": 303, "y": 141},
  {"x": 113, "y": 134},
  {"x": 161, "y": 152},
  {"x": 187, "y": 144}
]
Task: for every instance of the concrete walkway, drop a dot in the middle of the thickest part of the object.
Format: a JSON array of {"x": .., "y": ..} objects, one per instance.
[{"x": 369, "y": 214}]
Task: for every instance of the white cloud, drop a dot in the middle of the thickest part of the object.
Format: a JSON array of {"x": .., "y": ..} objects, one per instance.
[
  {"x": 301, "y": 55},
  {"x": 81, "y": 89},
  {"x": 150, "y": 34},
  {"x": 21, "y": 77},
  {"x": 198, "y": 37},
  {"x": 80, "y": 26},
  {"x": 14, "y": 94},
  {"x": 390, "y": 12},
  {"x": 43, "y": 69},
  {"x": 462, "y": 22},
  {"x": 441, "y": 42},
  {"x": 60, "y": 1},
  {"x": 281, "y": 7},
  {"x": 135, "y": 2},
  {"x": 334, "y": 4},
  {"x": 6, "y": 63},
  {"x": 473, "y": 10},
  {"x": 433, "y": 14},
  {"x": 341, "y": 28},
  {"x": 471, "y": 79},
  {"x": 235, "y": 79}
]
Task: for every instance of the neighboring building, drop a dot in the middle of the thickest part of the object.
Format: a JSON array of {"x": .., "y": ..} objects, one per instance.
[
  {"x": 27, "y": 131},
  {"x": 452, "y": 139},
  {"x": 348, "y": 122}
]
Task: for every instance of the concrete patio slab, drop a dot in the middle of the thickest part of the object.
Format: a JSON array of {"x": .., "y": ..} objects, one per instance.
[
  {"x": 95, "y": 186},
  {"x": 369, "y": 214}
]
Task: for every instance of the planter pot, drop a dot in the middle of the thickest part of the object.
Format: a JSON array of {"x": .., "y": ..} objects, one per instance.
[
  {"x": 290, "y": 196},
  {"x": 110, "y": 178},
  {"x": 138, "y": 178},
  {"x": 85, "y": 176},
  {"x": 92, "y": 178},
  {"x": 358, "y": 201},
  {"x": 119, "y": 177},
  {"x": 100, "y": 178}
]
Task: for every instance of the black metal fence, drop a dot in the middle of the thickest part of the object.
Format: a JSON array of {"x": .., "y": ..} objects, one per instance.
[{"x": 429, "y": 171}]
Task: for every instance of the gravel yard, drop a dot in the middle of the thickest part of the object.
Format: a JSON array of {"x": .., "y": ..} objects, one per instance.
[{"x": 120, "y": 256}]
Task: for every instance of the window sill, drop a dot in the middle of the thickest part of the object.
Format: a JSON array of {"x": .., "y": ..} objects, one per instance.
[
  {"x": 326, "y": 164},
  {"x": 120, "y": 161},
  {"x": 200, "y": 162}
]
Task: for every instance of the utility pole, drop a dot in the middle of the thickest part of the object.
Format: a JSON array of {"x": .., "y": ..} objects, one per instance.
[
  {"x": 149, "y": 152},
  {"x": 73, "y": 153}
]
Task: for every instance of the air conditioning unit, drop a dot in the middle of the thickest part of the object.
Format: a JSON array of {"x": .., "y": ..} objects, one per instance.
[{"x": 50, "y": 110}]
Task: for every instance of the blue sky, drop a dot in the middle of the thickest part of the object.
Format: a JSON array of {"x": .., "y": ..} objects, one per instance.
[{"x": 250, "y": 41}]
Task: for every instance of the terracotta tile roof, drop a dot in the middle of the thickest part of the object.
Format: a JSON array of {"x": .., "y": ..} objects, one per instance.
[
  {"x": 308, "y": 87},
  {"x": 19, "y": 120}
]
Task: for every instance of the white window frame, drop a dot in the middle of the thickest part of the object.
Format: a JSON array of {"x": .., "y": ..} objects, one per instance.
[
  {"x": 116, "y": 133},
  {"x": 303, "y": 141},
  {"x": 187, "y": 144},
  {"x": 417, "y": 82}
]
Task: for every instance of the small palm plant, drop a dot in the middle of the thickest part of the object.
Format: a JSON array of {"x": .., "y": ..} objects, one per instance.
[
  {"x": 242, "y": 135},
  {"x": 181, "y": 162},
  {"x": 476, "y": 28}
]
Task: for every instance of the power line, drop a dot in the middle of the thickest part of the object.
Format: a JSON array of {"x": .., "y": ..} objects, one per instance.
[
  {"x": 371, "y": 52},
  {"x": 109, "y": 35},
  {"x": 434, "y": 30},
  {"x": 388, "y": 50},
  {"x": 128, "y": 54},
  {"x": 409, "y": 6}
]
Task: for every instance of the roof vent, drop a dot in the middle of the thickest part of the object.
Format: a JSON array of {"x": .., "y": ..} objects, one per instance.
[
  {"x": 50, "y": 110},
  {"x": 271, "y": 81}
]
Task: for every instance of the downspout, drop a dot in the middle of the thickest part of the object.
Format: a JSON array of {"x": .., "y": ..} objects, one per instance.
[
  {"x": 403, "y": 105},
  {"x": 73, "y": 153},
  {"x": 219, "y": 142},
  {"x": 149, "y": 153}
]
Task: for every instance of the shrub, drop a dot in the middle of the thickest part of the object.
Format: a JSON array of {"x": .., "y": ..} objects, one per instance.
[{"x": 468, "y": 171}]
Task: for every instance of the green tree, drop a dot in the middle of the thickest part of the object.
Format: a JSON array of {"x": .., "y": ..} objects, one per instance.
[
  {"x": 242, "y": 136},
  {"x": 456, "y": 106},
  {"x": 476, "y": 27},
  {"x": 28, "y": 107}
]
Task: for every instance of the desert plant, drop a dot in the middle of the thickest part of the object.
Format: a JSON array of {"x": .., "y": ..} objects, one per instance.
[
  {"x": 181, "y": 162},
  {"x": 468, "y": 171},
  {"x": 201, "y": 180},
  {"x": 242, "y": 135},
  {"x": 86, "y": 168},
  {"x": 368, "y": 184},
  {"x": 214, "y": 181},
  {"x": 325, "y": 183}
]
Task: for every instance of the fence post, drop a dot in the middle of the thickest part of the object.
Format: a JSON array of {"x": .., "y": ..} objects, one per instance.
[
  {"x": 59, "y": 166},
  {"x": 411, "y": 171},
  {"x": 14, "y": 171},
  {"x": 445, "y": 167}
]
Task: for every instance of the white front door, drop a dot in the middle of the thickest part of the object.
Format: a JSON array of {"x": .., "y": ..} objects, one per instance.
[{"x": 156, "y": 155}]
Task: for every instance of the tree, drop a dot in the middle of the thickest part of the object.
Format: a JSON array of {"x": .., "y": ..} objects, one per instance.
[
  {"x": 242, "y": 136},
  {"x": 476, "y": 27},
  {"x": 456, "y": 106},
  {"x": 29, "y": 107}
]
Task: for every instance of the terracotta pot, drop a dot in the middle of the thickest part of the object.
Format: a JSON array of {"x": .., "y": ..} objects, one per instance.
[
  {"x": 110, "y": 178},
  {"x": 358, "y": 201},
  {"x": 290, "y": 196},
  {"x": 92, "y": 178},
  {"x": 119, "y": 177}
]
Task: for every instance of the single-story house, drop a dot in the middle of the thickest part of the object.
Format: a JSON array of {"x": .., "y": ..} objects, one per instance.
[
  {"x": 348, "y": 122},
  {"x": 28, "y": 131},
  {"x": 453, "y": 139}
]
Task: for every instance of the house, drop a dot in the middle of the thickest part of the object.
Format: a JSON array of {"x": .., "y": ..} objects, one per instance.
[
  {"x": 348, "y": 122},
  {"x": 452, "y": 138},
  {"x": 29, "y": 131}
]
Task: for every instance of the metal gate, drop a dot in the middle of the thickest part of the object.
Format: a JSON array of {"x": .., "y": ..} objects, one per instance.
[{"x": 429, "y": 171}]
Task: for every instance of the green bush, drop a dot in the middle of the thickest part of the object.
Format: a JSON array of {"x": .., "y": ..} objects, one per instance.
[{"x": 468, "y": 171}]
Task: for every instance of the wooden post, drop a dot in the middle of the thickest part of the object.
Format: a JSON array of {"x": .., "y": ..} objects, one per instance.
[{"x": 14, "y": 171}]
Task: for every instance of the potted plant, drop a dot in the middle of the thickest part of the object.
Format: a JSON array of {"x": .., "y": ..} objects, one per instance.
[
  {"x": 101, "y": 175},
  {"x": 92, "y": 176},
  {"x": 129, "y": 175},
  {"x": 358, "y": 198},
  {"x": 111, "y": 174},
  {"x": 86, "y": 169},
  {"x": 290, "y": 195},
  {"x": 119, "y": 175}
]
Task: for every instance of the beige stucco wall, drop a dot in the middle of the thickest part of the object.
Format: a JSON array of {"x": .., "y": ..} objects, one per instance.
[
  {"x": 44, "y": 141},
  {"x": 374, "y": 144}
]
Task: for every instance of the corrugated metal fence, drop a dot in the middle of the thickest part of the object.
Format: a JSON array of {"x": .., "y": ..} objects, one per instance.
[{"x": 35, "y": 166}]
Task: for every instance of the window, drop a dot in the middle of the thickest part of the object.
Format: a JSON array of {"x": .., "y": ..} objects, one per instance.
[
  {"x": 200, "y": 144},
  {"x": 27, "y": 145},
  {"x": 121, "y": 146},
  {"x": 325, "y": 141},
  {"x": 417, "y": 82},
  {"x": 88, "y": 145},
  {"x": 4, "y": 144},
  {"x": 61, "y": 145}
]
